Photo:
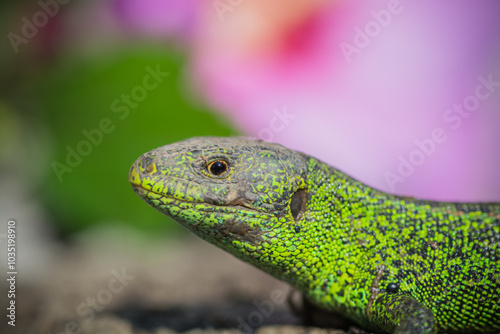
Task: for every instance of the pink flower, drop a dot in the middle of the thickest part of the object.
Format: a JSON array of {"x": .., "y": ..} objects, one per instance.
[{"x": 403, "y": 95}]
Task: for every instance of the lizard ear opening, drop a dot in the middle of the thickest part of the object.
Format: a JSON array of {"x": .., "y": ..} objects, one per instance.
[{"x": 298, "y": 204}]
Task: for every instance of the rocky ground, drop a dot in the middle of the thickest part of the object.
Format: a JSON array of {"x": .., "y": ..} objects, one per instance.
[{"x": 113, "y": 283}]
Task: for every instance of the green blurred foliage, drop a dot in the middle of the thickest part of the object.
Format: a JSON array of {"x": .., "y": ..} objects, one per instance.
[{"x": 76, "y": 96}]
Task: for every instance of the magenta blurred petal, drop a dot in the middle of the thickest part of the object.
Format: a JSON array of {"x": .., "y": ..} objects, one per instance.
[{"x": 158, "y": 17}]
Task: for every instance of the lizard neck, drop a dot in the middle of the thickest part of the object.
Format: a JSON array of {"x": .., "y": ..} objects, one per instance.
[{"x": 344, "y": 232}]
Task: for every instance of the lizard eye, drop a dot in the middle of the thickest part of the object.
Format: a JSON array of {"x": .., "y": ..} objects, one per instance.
[{"x": 218, "y": 167}]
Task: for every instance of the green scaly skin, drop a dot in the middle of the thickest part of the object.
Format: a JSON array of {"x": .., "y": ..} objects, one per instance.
[{"x": 392, "y": 264}]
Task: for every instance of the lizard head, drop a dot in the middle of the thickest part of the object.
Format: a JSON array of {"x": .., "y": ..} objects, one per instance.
[{"x": 247, "y": 197}]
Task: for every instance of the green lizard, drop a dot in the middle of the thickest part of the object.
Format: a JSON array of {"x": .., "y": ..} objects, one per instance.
[{"x": 392, "y": 264}]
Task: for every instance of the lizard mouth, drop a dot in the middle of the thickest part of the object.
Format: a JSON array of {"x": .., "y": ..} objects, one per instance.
[
  {"x": 237, "y": 220},
  {"x": 155, "y": 199}
]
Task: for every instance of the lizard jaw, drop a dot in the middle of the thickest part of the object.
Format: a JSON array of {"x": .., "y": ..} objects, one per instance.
[{"x": 154, "y": 199}]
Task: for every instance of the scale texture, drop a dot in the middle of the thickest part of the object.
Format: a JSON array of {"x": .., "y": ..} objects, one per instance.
[{"x": 392, "y": 264}]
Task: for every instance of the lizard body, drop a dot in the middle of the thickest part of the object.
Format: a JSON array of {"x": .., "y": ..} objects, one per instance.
[{"x": 392, "y": 264}]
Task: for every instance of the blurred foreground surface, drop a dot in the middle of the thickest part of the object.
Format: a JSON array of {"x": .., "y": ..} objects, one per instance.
[{"x": 111, "y": 282}]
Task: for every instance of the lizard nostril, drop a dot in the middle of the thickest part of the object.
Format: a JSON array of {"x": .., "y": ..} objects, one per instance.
[{"x": 151, "y": 168}]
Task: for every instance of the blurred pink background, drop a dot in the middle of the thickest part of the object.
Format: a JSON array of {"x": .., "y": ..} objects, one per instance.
[{"x": 362, "y": 82}]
